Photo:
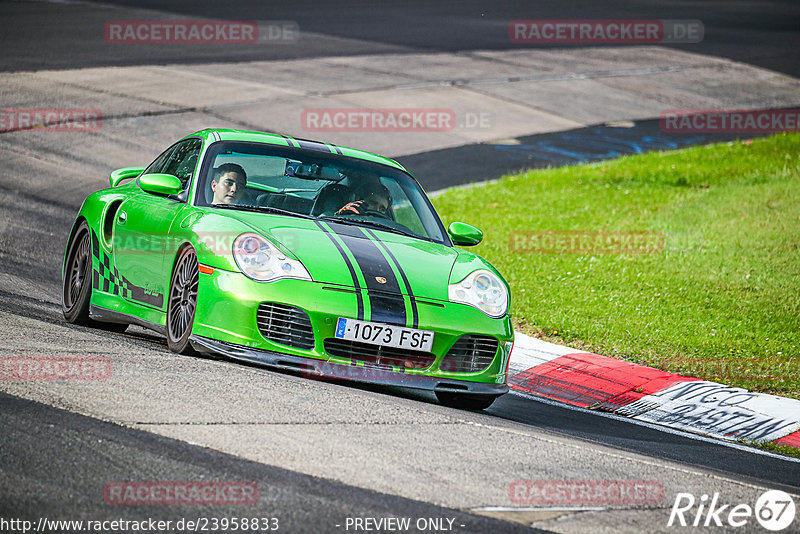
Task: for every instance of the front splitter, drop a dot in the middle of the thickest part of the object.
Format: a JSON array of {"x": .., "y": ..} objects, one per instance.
[{"x": 320, "y": 369}]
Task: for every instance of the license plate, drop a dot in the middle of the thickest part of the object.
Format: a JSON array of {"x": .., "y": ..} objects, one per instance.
[{"x": 384, "y": 335}]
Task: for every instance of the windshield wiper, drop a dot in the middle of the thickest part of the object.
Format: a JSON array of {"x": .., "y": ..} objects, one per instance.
[
  {"x": 375, "y": 224},
  {"x": 261, "y": 209}
]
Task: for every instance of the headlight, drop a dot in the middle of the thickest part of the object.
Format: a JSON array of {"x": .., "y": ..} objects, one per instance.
[
  {"x": 483, "y": 290},
  {"x": 263, "y": 262}
]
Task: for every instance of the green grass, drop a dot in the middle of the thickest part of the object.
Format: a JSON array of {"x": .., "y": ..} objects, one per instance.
[
  {"x": 719, "y": 301},
  {"x": 771, "y": 446}
]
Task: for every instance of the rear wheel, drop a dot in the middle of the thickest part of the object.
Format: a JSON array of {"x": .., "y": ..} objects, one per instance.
[
  {"x": 465, "y": 401},
  {"x": 77, "y": 277},
  {"x": 182, "y": 302},
  {"x": 76, "y": 291}
]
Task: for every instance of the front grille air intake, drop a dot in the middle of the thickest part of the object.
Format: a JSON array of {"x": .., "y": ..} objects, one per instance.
[
  {"x": 377, "y": 355},
  {"x": 470, "y": 354},
  {"x": 286, "y": 325}
]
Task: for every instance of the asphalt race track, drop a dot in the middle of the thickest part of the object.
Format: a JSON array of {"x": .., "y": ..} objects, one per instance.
[
  {"x": 760, "y": 33},
  {"x": 62, "y": 440},
  {"x": 322, "y": 452}
]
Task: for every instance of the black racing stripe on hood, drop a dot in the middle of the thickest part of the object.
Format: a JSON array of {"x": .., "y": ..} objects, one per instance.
[
  {"x": 292, "y": 142},
  {"x": 313, "y": 145},
  {"x": 414, "y": 311},
  {"x": 386, "y": 300},
  {"x": 359, "y": 298}
]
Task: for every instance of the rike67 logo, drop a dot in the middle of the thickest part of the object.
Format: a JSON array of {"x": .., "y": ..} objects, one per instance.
[{"x": 774, "y": 510}]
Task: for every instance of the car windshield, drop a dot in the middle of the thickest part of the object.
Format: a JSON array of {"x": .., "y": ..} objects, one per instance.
[{"x": 310, "y": 183}]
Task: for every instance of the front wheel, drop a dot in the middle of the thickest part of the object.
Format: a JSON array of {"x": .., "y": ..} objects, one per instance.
[
  {"x": 465, "y": 401},
  {"x": 182, "y": 302}
]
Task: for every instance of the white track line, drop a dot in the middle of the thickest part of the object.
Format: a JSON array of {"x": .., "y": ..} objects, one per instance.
[{"x": 662, "y": 428}]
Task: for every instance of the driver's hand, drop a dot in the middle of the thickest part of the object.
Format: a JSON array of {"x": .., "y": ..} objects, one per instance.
[{"x": 352, "y": 206}]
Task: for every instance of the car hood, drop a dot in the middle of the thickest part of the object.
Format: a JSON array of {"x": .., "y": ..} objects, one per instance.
[{"x": 359, "y": 256}]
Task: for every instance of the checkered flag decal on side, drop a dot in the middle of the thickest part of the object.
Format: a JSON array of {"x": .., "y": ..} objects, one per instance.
[{"x": 107, "y": 279}]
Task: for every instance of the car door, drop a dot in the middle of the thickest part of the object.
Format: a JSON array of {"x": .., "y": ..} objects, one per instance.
[{"x": 142, "y": 229}]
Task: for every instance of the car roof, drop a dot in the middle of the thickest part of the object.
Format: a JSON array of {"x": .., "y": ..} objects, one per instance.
[{"x": 226, "y": 134}]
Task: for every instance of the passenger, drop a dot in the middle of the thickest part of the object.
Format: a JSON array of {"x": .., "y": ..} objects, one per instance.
[{"x": 228, "y": 183}]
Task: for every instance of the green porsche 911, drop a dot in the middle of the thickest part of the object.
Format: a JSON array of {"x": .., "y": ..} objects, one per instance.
[{"x": 294, "y": 254}]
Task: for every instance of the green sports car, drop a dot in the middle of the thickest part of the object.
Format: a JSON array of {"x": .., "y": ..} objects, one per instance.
[{"x": 295, "y": 254}]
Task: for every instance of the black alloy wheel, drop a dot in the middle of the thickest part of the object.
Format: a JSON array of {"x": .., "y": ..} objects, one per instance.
[{"x": 182, "y": 302}]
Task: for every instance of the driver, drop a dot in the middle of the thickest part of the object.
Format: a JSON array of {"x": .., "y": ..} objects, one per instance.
[
  {"x": 228, "y": 183},
  {"x": 376, "y": 197}
]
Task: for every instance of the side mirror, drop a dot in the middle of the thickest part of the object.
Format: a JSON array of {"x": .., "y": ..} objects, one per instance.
[
  {"x": 160, "y": 184},
  {"x": 464, "y": 234},
  {"x": 122, "y": 174}
]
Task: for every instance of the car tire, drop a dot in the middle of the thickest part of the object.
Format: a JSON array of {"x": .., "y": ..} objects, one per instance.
[
  {"x": 465, "y": 401},
  {"x": 182, "y": 302},
  {"x": 77, "y": 284},
  {"x": 76, "y": 287}
]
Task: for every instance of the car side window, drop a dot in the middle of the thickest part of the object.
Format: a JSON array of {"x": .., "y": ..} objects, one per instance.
[
  {"x": 183, "y": 160},
  {"x": 160, "y": 161}
]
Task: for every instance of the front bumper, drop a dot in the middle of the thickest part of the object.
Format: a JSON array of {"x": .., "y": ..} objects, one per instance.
[
  {"x": 319, "y": 369},
  {"x": 226, "y": 323}
]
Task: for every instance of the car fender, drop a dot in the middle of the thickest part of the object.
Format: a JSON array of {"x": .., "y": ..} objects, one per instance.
[
  {"x": 92, "y": 211},
  {"x": 212, "y": 236}
]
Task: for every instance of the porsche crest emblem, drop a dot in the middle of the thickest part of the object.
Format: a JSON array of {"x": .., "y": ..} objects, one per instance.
[{"x": 380, "y": 279}]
